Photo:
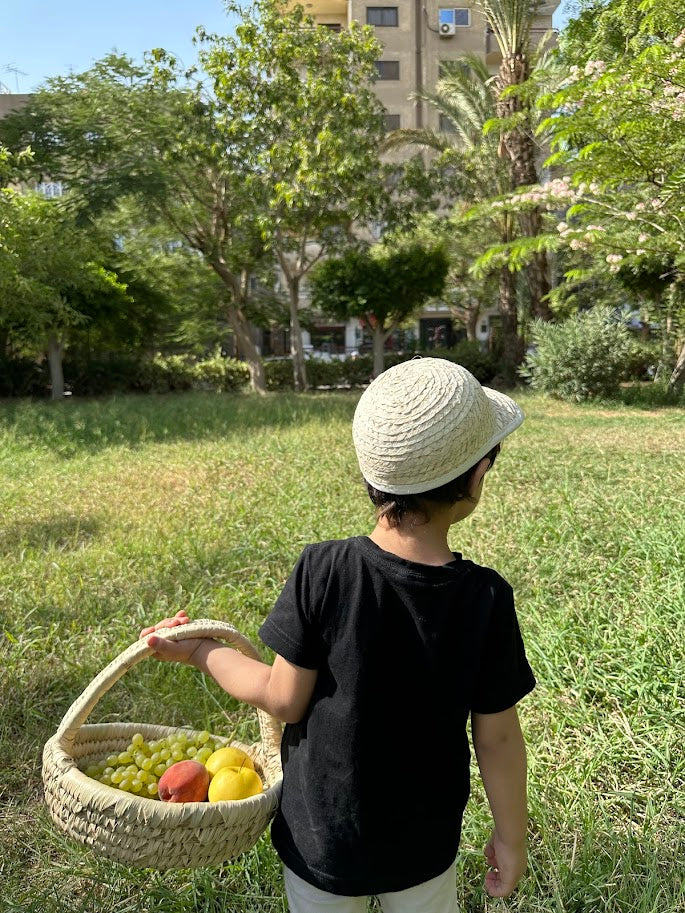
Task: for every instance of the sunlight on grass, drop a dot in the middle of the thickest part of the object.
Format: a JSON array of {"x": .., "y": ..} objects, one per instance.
[{"x": 118, "y": 511}]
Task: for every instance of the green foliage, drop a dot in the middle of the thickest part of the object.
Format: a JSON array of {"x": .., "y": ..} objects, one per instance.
[
  {"x": 383, "y": 285},
  {"x": 583, "y": 358},
  {"x": 174, "y": 373}
]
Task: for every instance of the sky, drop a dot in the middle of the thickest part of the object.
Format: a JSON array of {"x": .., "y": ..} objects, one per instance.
[{"x": 42, "y": 38}]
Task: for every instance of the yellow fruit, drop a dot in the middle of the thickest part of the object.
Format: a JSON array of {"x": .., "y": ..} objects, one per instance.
[
  {"x": 234, "y": 783},
  {"x": 227, "y": 757}
]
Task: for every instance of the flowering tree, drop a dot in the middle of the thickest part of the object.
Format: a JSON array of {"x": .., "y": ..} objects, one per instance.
[{"x": 618, "y": 129}]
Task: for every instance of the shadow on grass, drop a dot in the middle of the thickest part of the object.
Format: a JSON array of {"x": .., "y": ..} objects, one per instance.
[
  {"x": 71, "y": 428},
  {"x": 64, "y": 533}
]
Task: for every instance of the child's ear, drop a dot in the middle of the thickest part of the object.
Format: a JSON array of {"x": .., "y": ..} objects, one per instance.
[{"x": 478, "y": 476}]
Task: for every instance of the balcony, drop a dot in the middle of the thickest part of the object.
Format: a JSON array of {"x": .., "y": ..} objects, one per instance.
[
  {"x": 323, "y": 7},
  {"x": 493, "y": 57}
]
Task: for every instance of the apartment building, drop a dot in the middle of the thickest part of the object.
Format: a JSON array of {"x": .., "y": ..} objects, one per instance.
[{"x": 418, "y": 38}]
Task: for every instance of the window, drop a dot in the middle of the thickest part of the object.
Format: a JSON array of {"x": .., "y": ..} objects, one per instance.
[
  {"x": 333, "y": 26},
  {"x": 388, "y": 69},
  {"x": 50, "y": 189},
  {"x": 382, "y": 15},
  {"x": 459, "y": 16},
  {"x": 391, "y": 122}
]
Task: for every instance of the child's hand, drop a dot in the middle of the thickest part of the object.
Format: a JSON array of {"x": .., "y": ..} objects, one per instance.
[
  {"x": 173, "y": 651},
  {"x": 508, "y": 863}
]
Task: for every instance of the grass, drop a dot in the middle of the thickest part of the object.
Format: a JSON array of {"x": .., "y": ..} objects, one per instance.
[{"x": 115, "y": 512}]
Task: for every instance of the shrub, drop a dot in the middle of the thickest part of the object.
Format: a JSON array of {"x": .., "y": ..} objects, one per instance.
[
  {"x": 23, "y": 377},
  {"x": 322, "y": 373},
  {"x": 582, "y": 358},
  {"x": 279, "y": 374},
  {"x": 357, "y": 371}
]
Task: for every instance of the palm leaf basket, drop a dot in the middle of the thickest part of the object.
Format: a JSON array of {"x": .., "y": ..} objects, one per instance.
[{"x": 140, "y": 831}]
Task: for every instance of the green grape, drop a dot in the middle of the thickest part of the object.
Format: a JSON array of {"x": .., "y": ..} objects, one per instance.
[
  {"x": 181, "y": 737},
  {"x": 136, "y": 785},
  {"x": 112, "y": 760},
  {"x": 108, "y": 770},
  {"x": 137, "y": 739},
  {"x": 147, "y": 764},
  {"x": 117, "y": 777},
  {"x": 132, "y": 769},
  {"x": 92, "y": 770},
  {"x": 191, "y": 751},
  {"x": 203, "y": 737},
  {"x": 165, "y": 754},
  {"x": 177, "y": 754},
  {"x": 139, "y": 757},
  {"x": 124, "y": 757},
  {"x": 169, "y": 762},
  {"x": 106, "y": 779},
  {"x": 125, "y": 784},
  {"x": 151, "y": 789},
  {"x": 154, "y": 746},
  {"x": 160, "y": 768},
  {"x": 203, "y": 754},
  {"x": 155, "y": 757}
]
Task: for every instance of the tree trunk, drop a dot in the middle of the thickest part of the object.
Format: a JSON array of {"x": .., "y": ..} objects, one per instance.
[
  {"x": 379, "y": 337},
  {"x": 296, "y": 347},
  {"x": 512, "y": 346},
  {"x": 678, "y": 376},
  {"x": 240, "y": 326},
  {"x": 472, "y": 313},
  {"x": 55, "y": 352},
  {"x": 518, "y": 146}
]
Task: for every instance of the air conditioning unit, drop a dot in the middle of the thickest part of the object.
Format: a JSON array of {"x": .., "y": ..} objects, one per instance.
[{"x": 447, "y": 29}]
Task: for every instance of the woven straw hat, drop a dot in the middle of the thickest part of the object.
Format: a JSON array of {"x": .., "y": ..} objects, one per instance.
[{"x": 424, "y": 422}]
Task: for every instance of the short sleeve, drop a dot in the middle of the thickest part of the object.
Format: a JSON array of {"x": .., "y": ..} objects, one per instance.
[
  {"x": 503, "y": 675},
  {"x": 290, "y": 628}
]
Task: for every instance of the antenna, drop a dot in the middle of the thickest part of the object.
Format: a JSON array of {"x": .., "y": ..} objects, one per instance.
[{"x": 12, "y": 68}]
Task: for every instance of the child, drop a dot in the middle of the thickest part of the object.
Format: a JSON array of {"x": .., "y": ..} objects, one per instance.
[{"x": 385, "y": 645}]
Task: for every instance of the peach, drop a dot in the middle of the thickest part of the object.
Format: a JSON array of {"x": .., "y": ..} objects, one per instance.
[{"x": 184, "y": 781}]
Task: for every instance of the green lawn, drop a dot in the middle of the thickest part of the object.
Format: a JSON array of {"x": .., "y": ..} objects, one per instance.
[{"x": 116, "y": 512}]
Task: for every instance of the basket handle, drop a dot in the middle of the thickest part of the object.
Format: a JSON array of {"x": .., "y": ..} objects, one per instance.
[{"x": 79, "y": 711}]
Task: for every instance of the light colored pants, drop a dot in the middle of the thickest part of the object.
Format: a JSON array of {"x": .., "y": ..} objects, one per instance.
[{"x": 439, "y": 895}]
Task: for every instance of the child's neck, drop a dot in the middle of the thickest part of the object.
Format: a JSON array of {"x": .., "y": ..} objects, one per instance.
[{"x": 415, "y": 540}]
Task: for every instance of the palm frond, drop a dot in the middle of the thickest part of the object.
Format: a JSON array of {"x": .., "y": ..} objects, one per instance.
[{"x": 511, "y": 22}]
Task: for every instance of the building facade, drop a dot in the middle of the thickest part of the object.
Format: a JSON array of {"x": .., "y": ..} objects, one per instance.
[{"x": 418, "y": 38}]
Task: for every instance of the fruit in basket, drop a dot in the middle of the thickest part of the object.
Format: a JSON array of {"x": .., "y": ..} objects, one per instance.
[
  {"x": 227, "y": 757},
  {"x": 184, "y": 781},
  {"x": 234, "y": 783}
]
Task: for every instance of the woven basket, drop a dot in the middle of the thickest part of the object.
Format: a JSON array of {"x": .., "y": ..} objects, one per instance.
[{"x": 139, "y": 831}]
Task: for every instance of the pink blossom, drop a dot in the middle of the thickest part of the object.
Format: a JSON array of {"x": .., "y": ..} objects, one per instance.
[
  {"x": 642, "y": 238},
  {"x": 670, "y": 89},
  {"x": 596, "y": 228},
  {"x": 640, "y": 251},
  {"x": 614, "y": 258},
  {"x": 631, "y": 216},
  {"x": 577, "y": 244},
  {"x": 680, "y": 40}
]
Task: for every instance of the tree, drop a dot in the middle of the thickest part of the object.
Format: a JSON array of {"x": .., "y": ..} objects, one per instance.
[
  {"x": 382, "y": 286},
  {"x": 300, "y": 98},
  {"x": 511, "y": 22},
  {"x": 466, "y": 98},
  {"x": 51, "y": 278},
  {"x": 619, "y": 132},
  {"x": 120, "y": 131}
]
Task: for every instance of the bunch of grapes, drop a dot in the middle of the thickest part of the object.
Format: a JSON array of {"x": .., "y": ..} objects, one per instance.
[{"x": 138, "y": 768}]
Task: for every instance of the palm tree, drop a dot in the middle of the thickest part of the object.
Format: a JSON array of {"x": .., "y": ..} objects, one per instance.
[
  {"x": 466, "y": 99},
  {"x": 511, "y": 22}
]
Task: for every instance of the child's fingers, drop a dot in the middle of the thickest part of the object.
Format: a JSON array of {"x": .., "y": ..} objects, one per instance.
[
  {"x": 180, "y": 618},
  {"x": 496, "y": 886},
  {"x": 167, "y": 649}
]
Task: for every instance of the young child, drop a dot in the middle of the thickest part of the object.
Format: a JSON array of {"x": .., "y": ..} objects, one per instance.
[{"x": 385, "y": 646}]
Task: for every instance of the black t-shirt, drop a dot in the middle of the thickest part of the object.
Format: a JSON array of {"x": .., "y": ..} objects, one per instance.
[{"x": 376, "y": 775}]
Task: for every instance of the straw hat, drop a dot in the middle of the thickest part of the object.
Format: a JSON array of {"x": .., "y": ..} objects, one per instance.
[{"x": 426, "y": 421}]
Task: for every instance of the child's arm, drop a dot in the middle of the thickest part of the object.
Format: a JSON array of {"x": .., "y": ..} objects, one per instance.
[
  {"x": 282, "y": 690},
  {"x": 501, "y": 755}
]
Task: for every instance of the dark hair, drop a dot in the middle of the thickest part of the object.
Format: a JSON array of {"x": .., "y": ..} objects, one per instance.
[{"x": 394, "y": 508}]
